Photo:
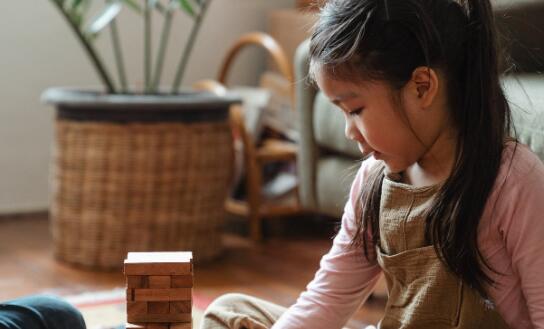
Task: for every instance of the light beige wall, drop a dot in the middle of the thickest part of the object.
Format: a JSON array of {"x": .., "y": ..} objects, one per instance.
[{"x": 39, "y": 51}]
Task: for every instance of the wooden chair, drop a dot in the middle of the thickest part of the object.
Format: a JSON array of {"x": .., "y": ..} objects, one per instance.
[{"x": 255, "y": 208}]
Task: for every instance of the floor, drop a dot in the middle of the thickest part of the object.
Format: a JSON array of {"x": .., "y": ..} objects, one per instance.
[{"x": 277, "y": 270}]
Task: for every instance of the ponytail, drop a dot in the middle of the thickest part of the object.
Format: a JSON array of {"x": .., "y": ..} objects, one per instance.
[{"x": 483, "y": 122}]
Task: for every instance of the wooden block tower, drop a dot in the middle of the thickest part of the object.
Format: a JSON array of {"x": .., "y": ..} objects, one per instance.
[{"x": 159, "y": 290}]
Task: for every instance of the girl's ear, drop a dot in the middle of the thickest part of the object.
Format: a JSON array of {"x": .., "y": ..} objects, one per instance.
[{"x": 424, "y": 84}]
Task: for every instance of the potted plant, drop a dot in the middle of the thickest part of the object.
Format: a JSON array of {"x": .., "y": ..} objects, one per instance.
[{"x": 137, "y": 169}]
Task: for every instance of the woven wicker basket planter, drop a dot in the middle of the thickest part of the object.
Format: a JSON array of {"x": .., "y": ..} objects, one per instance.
[{"x": 138, "y": 173}]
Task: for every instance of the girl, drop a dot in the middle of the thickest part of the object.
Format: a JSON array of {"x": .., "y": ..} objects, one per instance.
[{"x": 447, "y": 206}]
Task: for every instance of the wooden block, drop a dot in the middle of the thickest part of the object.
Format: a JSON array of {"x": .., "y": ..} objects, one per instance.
[
  {"x": 159, "y": 263},
  {"x": 158, "y": 307},
  {"x": 159, "y": 318},
  {"x": 181, "y": 307},
  {"x": 148, "y": 326},
  {"x": 181, "y": 281},
  {"x": 159, "y": 295},
  {"x": 158, "y": 268},
  {"x": 181, "y": 325},
  {"x": 136, "y": 308},
  {"x": 161, "y": 257},
  {"x": 158, "y": 281},
  {"x": 130, "y": 295},
  {"x": 157, "y": 326},
  {"x": 136, "y": 281}
]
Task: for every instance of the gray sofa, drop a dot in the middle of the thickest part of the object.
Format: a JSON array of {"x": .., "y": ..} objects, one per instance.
[{"x": 327, "y": 161}]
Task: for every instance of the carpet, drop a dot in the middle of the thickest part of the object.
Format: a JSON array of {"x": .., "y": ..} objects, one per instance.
[{"x": 107, "y": 309}]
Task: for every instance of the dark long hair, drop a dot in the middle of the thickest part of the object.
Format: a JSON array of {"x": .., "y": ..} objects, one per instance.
[{"x": 386, "y": 40}]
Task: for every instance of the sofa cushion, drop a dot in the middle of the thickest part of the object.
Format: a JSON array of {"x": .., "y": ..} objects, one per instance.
[
  {"x": 526, "y": 98},
  {"x": 333, "y": 180},
  {"x": 329, "y": 128}
]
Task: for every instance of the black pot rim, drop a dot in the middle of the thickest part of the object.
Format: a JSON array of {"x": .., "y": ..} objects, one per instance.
[
  {"x": 75, "y": 98},
  {"x": 78, "y": 104}
]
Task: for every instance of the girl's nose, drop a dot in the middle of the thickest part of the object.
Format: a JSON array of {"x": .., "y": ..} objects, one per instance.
[{"x": 351, "y": 130}]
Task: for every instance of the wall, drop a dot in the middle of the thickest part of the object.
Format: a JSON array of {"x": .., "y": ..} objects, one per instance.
[{"x": 39, "y": 51}]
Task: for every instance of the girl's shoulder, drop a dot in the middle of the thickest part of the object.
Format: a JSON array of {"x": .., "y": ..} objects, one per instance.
[
  {"x": 520, "y": 165},
  {"x": 517, "y": 198},
  {"x": 520, "y": 179},
  {"x": 521, "y": 171}
]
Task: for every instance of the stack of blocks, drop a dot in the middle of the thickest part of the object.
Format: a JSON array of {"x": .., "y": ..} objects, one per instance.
[{"x": 159, "y": 290}]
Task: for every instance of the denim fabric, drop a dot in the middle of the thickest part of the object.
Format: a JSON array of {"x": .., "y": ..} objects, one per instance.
[{"x": 39, "y": 312}]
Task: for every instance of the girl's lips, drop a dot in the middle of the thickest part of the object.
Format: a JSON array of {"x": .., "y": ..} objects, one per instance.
[{"x": 368, "y": 153}]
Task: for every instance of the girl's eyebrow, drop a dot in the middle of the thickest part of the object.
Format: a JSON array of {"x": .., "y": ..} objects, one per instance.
[{"x": 342, "y": 97}]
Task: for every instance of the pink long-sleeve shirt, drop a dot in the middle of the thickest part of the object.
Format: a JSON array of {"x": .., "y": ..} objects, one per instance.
[{"x": 511, "y": 239}]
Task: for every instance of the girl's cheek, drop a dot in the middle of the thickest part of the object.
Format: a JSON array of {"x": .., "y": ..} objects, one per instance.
[{"x": 360, "y": 126}]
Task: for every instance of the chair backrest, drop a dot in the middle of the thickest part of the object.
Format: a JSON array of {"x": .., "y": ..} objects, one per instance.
[{"x": 268, "y": 43}]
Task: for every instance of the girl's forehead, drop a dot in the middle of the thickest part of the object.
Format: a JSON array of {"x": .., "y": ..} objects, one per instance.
[{"x": 342, "y": 88}]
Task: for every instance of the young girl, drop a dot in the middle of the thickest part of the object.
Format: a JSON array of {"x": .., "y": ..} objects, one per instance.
[{"x": 447, "y": 206}]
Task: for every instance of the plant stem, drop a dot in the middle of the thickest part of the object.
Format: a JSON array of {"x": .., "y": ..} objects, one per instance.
[
  {"x": 91, "y": 52},
  {"x": 118, "y": 56},
  {"x": 162, "y": 49},
  {"x": 147, "y": 47},
  {"x": 189, "y": 47}
]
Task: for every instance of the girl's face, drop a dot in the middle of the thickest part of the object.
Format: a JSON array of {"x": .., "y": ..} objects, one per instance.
[{"x": 379, "y": 125}]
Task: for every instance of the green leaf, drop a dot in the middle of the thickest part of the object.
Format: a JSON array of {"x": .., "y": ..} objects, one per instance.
[
  {"x": 73, "y": 6},
  {"x": 186, "y": 6},
  {"x": 85, "y": 6},
  {"x": 76, "y": 3},
  {"x": 76, "y": 18},
  {"x": 104, "y": 18},
  {"x": 78, "y": 9},
  {"x": 133, "y": 5}
]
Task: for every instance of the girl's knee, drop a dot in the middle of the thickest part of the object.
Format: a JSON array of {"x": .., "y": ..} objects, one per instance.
[
  {"x": 42, "y": 312},
  {"x": 234, "y": 310},
  {"x": 47, "y": 303},
  {"x": 228, "y": 301},
  {"x": 54, "y": 310}
]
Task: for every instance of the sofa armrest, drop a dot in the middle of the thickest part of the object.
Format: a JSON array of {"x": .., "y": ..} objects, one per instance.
[{"x": 305, "y": 93}]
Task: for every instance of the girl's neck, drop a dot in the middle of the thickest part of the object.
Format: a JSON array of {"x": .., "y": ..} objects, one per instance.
[{"x": 436, "y": 165}]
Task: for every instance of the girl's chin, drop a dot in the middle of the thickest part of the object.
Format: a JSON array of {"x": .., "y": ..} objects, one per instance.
[
  {"x": 366, "y": 154},
  {"x": 395, "y": 168}
]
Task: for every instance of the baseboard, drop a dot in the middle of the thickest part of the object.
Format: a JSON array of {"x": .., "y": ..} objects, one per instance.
[{"x": 22, "y": 209}]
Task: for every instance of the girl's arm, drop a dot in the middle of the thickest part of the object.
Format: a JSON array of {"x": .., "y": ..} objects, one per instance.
[
  {"x": 523, "y": 231},
  {"x": 344, "y": 280}
]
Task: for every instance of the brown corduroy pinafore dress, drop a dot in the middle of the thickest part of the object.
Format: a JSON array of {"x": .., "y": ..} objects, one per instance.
[{"x": 423, "y": 294}]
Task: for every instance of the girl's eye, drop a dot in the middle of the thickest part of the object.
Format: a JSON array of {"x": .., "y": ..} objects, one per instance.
[{"x": 357, "y": 111}]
